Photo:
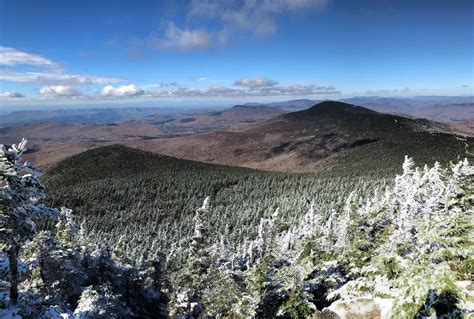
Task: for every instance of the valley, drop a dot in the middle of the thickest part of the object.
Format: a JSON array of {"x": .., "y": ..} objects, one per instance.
[{"x": 63, "y": 135}]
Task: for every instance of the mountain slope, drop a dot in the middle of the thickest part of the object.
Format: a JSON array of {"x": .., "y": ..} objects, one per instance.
[
  {"x": 120, "y": 191},
  {"x": 329, "y": 133}
]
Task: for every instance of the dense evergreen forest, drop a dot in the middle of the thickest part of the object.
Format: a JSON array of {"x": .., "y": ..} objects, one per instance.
[
  {"x": 391, "y": 241},
  {"x": 146, "y": 202}
]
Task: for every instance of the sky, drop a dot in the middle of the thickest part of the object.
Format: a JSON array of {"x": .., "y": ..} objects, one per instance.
[{"x": 69, "y": 52}]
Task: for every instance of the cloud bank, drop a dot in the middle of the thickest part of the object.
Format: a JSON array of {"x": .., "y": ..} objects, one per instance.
[{"x": 292, "y": 90}]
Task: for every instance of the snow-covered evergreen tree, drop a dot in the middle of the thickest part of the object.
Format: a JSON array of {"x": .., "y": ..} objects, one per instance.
[
  {"x": 424, "y": 247},
  {"x": 188, "y": 301},
  {"x": 53, "y": 265},
  {"x": 21, "y": 196}
]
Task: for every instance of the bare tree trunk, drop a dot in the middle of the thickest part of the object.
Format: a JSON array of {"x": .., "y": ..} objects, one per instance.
[{"x": 14, "y": 277}]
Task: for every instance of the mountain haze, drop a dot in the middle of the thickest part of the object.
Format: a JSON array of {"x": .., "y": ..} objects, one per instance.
[{"x": 65, "y": 133}]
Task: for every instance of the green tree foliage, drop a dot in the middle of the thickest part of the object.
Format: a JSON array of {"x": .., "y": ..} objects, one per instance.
[
  {"x": 20, "y": 202},
  {"x": 57, "y": 272},
  {"x": 271, "y": 245}
]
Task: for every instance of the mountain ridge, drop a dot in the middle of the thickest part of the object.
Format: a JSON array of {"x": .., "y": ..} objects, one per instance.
[{"x": 309, "y": 140}]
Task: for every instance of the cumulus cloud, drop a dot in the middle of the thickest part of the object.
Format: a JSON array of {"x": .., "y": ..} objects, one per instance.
[
  {"x": 293, "y": 90},
  {"x": 11, "y": 94},
  {"x": 59, "y": 90},
  {"x": 257, "y": 82},
  {"x": 181, "y": 39},
  {"x": 121, "y": 91},
  {"x": 12, "y": 56}
]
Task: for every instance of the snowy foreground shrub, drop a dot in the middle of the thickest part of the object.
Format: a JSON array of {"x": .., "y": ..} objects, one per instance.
[
  {"x": 56, "y": 272},
  {"x": 405, "y": 250}
]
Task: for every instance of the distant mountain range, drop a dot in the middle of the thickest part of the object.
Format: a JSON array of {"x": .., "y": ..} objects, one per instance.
[
  {"x": 64, "y": 133},
  {"x": 436, "y": 108},
  {"x": 266, "y": 136},
  {"x": 441, "y": 109},
  {"x": 290, "y": 105},
  {"x": 327, "y": 133}
]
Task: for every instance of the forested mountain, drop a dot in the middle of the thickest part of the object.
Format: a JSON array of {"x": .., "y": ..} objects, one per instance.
[
  {"x": 124, "y": 192},
  {"x": 327, "y": 134},
  {"x": 344, "y": 242}
]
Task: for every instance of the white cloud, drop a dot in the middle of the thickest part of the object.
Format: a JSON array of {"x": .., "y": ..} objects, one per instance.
[
  {"x": 121, "y": 91},
  {"x": 72, "y": 79},
  {"x": 181, "y": 39},
  {"x": 59, "y": 90},
  {"x": 12, "y": 57},
  {"x": 59, "y": 78},
  {"x": 229, "y": 17},
  {"x": 11, "y": 94},
  {"x": 387, "y": 92},
  {"x": 293, "y": 90},
  {"x": 46, "y": 71},
  {"x": 200, "y": 78},
  {"x": 258, "y": 17},
  {"x": 168, "y": 84},
  {"x": 299, "y": 90},
  {"x": 201, "y": 92},
  {"x": 257, "y": 82}
]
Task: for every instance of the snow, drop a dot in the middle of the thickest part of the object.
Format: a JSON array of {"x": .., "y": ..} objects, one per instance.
[{"x": 10, "y": 313}]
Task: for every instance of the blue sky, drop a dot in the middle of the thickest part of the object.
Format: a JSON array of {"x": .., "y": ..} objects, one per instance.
[{"x": 71, "y": 52}]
